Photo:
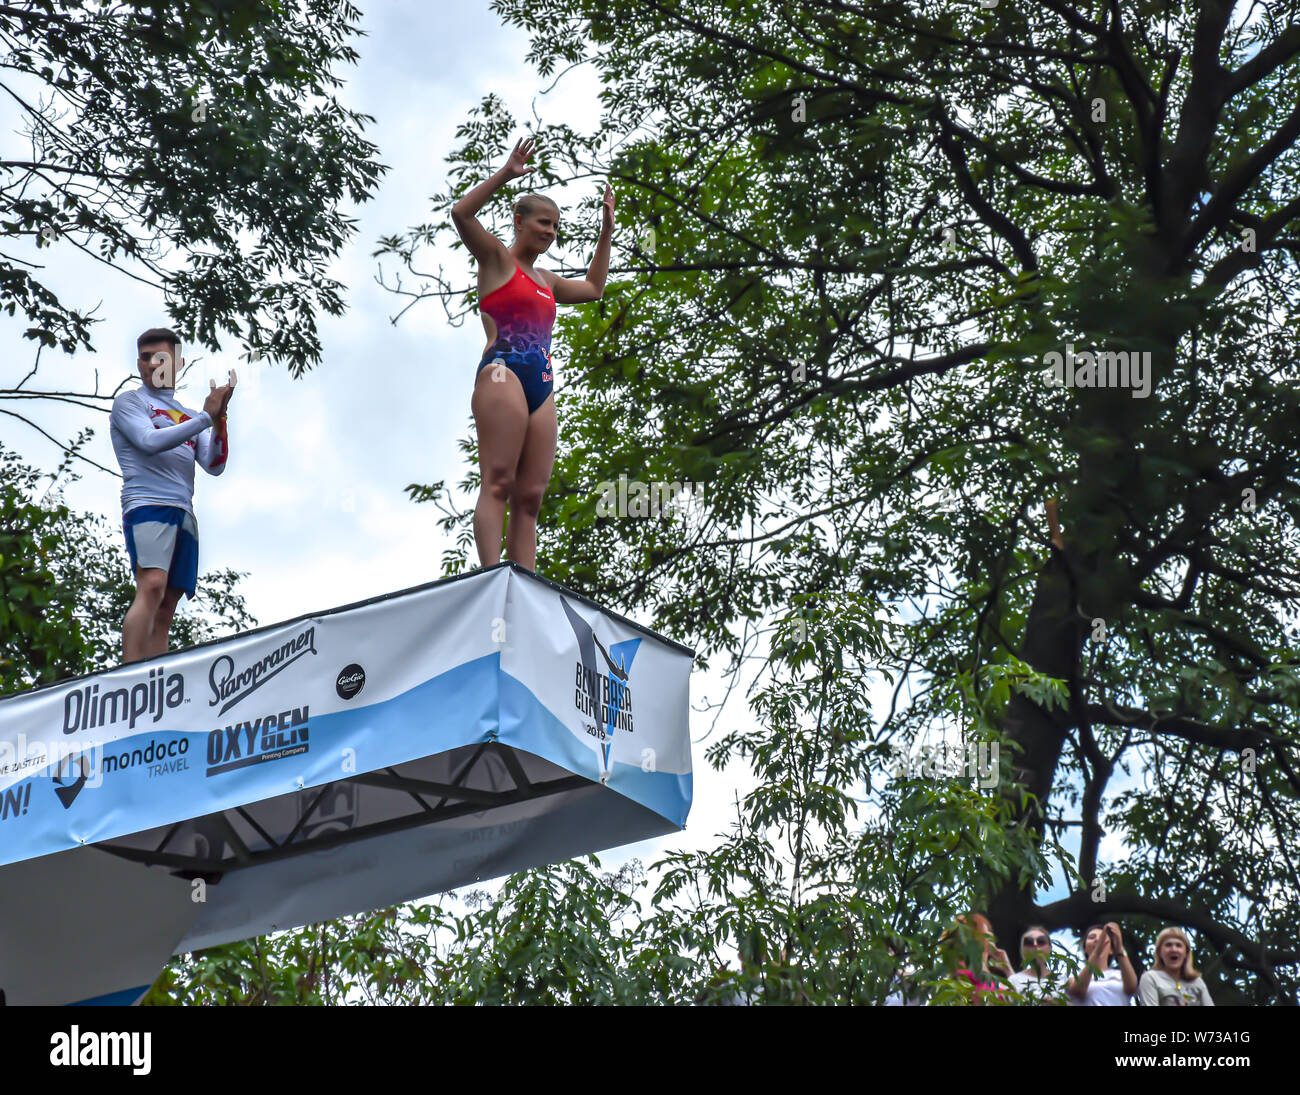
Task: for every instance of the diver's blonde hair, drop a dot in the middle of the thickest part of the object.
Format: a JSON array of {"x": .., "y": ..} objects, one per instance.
[{"x": 528, "y": 204}]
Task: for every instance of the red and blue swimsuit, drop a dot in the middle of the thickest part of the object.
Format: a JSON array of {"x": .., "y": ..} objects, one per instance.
[{"x": 524, "y": 313}]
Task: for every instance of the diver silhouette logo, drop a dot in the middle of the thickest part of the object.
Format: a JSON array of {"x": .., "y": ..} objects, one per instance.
[
  {"x": 68, "y": 791},
  {"x": 603, "y": 694}
]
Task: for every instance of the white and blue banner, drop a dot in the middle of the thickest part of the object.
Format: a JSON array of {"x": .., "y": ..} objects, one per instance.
[{"x": 347, "y": 760}]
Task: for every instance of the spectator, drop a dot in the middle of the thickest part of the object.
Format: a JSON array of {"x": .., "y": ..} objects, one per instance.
[
  {"x": 1037, "y": 982},
  {"x": 1174, "y": 981},
  {"x": 1097, "y": 985},
  {"x": 969, "y": 933}
]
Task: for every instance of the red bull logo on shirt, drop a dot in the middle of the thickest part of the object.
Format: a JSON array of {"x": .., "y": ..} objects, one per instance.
[{"x": 174, "y": 418}]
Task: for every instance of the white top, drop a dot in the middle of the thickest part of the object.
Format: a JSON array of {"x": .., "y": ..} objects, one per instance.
[
  {"x": 1106, "y": 991},
  {"x": 896, "y": 1000},
  {"x": 1160, "y": 989},
  {"x": 157, "y": 442},
  {"x": 1047, "y": 987}
]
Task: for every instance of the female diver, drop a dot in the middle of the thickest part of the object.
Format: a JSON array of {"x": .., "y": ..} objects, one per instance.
[{"x": 513, "y": 405}]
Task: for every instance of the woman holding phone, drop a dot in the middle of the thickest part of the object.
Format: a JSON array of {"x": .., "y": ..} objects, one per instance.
[
  {"x": 513, "y": 402},
  {"x": 1097, "y": 984}
]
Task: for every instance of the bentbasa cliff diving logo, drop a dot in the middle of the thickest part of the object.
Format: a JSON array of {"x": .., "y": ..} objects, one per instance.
[{"x": 602, "y": 695}]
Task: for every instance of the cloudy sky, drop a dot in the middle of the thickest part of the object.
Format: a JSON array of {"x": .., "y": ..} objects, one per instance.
[{"x": 312, "y": 504}]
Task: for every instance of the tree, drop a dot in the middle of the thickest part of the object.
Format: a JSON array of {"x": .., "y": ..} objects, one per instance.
[
  {"x": 65, "y": 585},
  {"x": 197, "y": 146},
  {"x": 858, "y": 233},
  {"x": 742, "y": 924},
  {"x": 861, "y": 231}
]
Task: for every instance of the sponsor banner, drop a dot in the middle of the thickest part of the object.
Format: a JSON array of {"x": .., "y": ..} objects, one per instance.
[
  {"x": 609, "y": 685},
  {"x": 498, "y": 655}
]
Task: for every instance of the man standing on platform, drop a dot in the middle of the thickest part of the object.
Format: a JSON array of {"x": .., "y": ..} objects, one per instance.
[{"x": 157, "y": 442}]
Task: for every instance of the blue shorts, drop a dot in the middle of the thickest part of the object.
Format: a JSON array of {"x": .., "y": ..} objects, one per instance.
[{"x": 164, "y": 538}]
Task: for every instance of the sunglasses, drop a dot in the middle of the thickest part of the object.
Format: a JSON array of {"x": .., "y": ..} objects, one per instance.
[{"x": 1035, "y": 941}]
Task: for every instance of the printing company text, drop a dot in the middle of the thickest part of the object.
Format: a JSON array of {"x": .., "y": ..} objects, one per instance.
[{"x": 271, "y": 737}]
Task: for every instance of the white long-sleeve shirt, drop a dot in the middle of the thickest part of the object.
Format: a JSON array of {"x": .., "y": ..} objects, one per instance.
[{"x": 157, "y": 442}]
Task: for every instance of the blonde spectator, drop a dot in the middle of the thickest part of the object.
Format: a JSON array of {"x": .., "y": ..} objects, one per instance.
[{"x": 1174, "y": 981}]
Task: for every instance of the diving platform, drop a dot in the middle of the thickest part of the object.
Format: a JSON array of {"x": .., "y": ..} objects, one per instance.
[{"x": 339, "y": 762}]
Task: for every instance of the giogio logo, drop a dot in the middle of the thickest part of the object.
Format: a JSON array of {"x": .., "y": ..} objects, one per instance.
[
  {"x": 350, "y": 681},
  {"x": 230, "y": 686}
]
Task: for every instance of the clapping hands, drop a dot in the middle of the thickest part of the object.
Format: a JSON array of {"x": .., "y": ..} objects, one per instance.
[{"x": 218, "y": 399}]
